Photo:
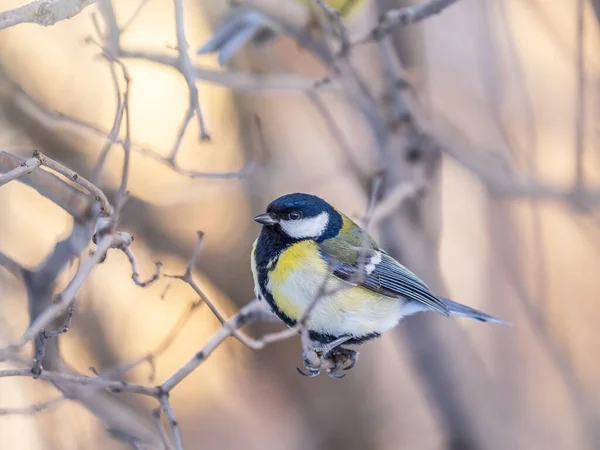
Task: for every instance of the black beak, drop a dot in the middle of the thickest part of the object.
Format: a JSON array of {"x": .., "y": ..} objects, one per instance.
[{"x": 266, "y": 219}]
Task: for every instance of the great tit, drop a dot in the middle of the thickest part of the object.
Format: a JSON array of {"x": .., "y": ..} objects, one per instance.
[{"x": 306, "y": 245}]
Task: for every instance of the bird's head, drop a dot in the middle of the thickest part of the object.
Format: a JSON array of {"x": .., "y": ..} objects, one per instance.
[{"x": 301, "y": 216}]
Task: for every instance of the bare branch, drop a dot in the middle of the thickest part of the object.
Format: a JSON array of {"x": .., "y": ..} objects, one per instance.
[
  {"x": 335, "y": 18},
  {"x": 245, "y": 316},
  {"x": 31, "y": 106},
  {"x": 498, "y": 175},
  {"x": 187, "y": 69},
  {"x": 45, "y": 335},
  {"x": 33, "y": 409},
  {"x": 13, "y": 267},
  {"x": 150, "y": 357},
  {"x": 64, "y": 299},
  {"x": 25, "y": 168},
  {"x": 242, "y": 81},
  {"x": 195, "y": 253},
  {"x": 580, "y": 108},
  {"x": 50, "y": 186},
  {"x": 106, "y": 208},
  {"x": 135, "y": 275},
  {"x": 112, "y": 386},
  {"x": 161, "y": 429},
  {"x": 172, "y": 420},
  {"x": 134, "y": 15},
  {"x": 404, "y": 16},
  {"x": 43, "y": 12}
]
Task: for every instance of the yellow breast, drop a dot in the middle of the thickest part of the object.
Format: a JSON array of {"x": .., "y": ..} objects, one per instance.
[{"x": 296, "y": 279}]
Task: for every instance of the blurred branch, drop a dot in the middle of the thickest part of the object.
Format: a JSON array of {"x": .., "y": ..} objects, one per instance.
[
  {"x": 580, "y": 109},
  {"x": 64, "y": 299},
  {"x": 161, "y": 429},
  {"x": 26, "y": 167},
  {"x": 170, "y": 415},
  {"x": 404, "y": 16},
  {"x": 9, "y": 264},
  {"x": 596, "y": 5},
  {"x": 112, "y": 386},
  {"x": 49, "y": 185},
  {"x": 152, "y": 356},
  {"x": 241, "y": 81},
  {"x": 32, "y": 107},
  {"x": 43, "y": 12},
  {"x": 105, "y": 207},
  {"x": 43, "y": 336},
  {"x": 135, "y": 276},
  {"x": 33, "y": 409},
  {"x": 496, "y": 174},
  {"x": 187, "y": 70}
]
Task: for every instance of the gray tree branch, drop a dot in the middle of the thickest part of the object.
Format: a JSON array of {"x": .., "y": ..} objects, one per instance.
[{"x": 43, "y": 12}]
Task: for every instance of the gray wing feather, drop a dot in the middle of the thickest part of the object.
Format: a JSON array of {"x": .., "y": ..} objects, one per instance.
[{"x": 391, "y": 279}]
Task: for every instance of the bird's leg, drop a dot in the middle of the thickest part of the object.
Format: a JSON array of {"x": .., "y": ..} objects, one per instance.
[
  {"x": 331, "y": 357},
  {"x": 324, "y": 349},
  {"x": 312, "y": 362},
  {"x": 316, "y": 357}
]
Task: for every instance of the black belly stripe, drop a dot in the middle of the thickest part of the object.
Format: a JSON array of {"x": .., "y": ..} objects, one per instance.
[
  {"x": 268, "y": 248},
  {"x": 262, "y": 282}
]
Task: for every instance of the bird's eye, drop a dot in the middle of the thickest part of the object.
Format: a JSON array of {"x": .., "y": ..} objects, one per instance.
[{"x": 294, "y": 215}]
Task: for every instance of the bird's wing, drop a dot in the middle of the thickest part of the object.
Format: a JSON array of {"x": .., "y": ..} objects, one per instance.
[{"x": 380, "y": 272}]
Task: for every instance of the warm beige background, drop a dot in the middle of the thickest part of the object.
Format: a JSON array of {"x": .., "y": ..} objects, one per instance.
[{"x": 502, "y": 70}]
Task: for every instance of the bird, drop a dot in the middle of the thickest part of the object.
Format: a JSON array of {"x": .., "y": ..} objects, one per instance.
[
  {"x": 307, "y": 248},
  {"x": 243, "y": 24}
]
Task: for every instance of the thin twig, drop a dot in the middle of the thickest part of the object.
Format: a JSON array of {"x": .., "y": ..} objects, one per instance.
[
  {"x": 404, "y": 16},
  {"x": 172, "y": 420},
  {"x": 580, "y": 108},
  {"x": 195, "y": 253},
  {"x": 187, "y": 68},
  {"x": 135, "y": 276},
  {"x": 112, "y": 386},
  {"x": 43, "y": 336},
  {"x": 133, "y": 16},
  {"x": 120, "y": 197},
  {"x": 33, "y": 409},
  {"x": 106, "y": 208},
  {"x": 335, "y": 17},
  {"x": 161, "y": 429},
  {"x": 51, "y": 186},
  {"x": 64, "y": 299},
  {"x": 151, "y": 357}
]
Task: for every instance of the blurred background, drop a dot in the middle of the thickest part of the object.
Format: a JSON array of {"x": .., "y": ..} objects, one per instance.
[{"x": 518, "y": 83}]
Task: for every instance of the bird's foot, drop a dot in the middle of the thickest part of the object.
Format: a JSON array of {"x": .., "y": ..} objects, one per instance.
[
  {"x": 342, "y": 360},
  {"x": 312, "y": 362},
  {"x": 334, "y": 362}
]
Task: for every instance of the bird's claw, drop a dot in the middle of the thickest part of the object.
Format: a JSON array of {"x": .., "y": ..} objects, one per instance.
[
  {"x": 334, "y": 375},
  {"x": 312, "y": 362},
  {"x": 310, "y": 374},
  {"x": 336, "y": 360},
  {"x": 343, "y": 359}
]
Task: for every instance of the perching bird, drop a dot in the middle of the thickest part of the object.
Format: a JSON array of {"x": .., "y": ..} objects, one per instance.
[
  {"x": 243, "y": 24},
  {"x": 304, "y": 243}
]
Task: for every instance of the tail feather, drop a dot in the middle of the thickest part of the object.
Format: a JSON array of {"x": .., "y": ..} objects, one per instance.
[{"x": 456, "y": 309}]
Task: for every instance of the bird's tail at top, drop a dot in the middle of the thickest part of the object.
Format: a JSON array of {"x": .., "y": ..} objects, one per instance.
[{"x": 456, "y": 309}]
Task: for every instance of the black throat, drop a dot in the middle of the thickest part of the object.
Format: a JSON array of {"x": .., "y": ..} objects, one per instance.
[{"x": 272, "y": 242}]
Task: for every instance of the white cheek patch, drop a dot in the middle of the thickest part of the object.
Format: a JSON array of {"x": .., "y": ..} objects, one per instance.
[
  {"x": 373, "y": 261},
  {"x": 311, "y": 227}
]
